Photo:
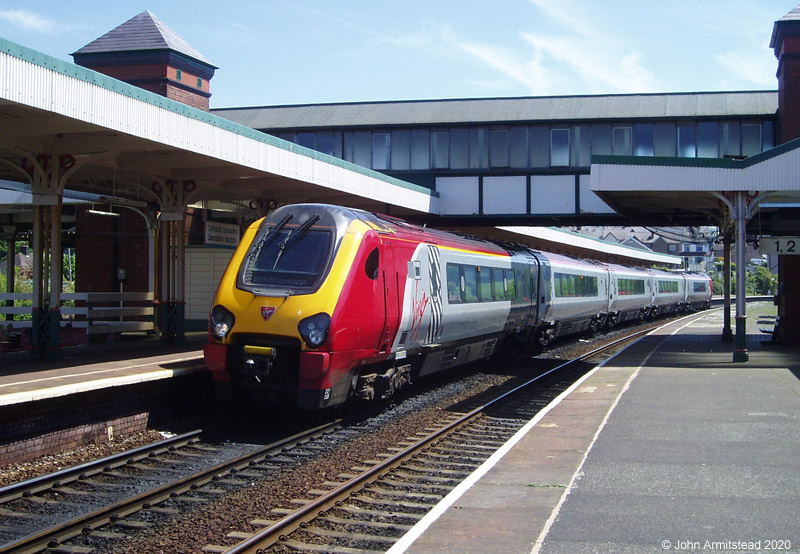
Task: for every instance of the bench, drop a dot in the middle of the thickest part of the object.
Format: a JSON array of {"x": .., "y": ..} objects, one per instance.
[{"x": 776, "y": 321}]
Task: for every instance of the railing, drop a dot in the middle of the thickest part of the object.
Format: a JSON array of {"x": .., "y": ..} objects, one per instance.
[{"x": 103, "y": 312}]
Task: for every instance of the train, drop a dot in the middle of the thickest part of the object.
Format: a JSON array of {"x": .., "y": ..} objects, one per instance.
[{"x": 322, "y": 304}]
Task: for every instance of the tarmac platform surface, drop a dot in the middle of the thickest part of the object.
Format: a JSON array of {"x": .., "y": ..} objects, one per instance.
[{"x": 669, "y": 446}]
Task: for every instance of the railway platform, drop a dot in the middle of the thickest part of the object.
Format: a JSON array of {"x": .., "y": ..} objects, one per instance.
[
  {"x": 94, "y": 367},
  {"x": 667, "y": 447}
]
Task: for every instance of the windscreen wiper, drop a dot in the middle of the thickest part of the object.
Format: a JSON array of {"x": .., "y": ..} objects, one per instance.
[
  {"x": 271, "y": 232},
  {"x": 299, "y": 232}
]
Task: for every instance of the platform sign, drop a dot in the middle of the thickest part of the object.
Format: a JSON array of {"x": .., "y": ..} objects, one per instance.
[
  {"x": 221, "y": 234},
  {"x": 780, "y": 245}
]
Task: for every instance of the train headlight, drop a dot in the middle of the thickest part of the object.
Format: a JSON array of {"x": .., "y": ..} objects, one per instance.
[
  {"x": 314, "y": 329},
  {"x": 221, "y": 322}
]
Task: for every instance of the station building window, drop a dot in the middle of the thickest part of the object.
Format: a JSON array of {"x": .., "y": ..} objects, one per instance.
[
  {"x": 380, "y": 150},
  {"x": 518, "y": 147},
  {"x": 420, "y": 149},
  {"x": 581, "y": 146},
  {"x": 730, "y": 139},
  {"x": 459, "y": 148},
  {"x": 751, "y": 139},
  {"x": 401, "y": 149},
  {"x": 540, "y": 147},
  {"x": 708, "y": 140},
  {"x": 498, "y": 148},
  {"x": 478, "y": 148},
  {"x": 622, "y": 144},
  {"x": 664, "y": 139},
  {"x": 440, "y": 149},
  {"x": 559, "y": 147},
  {"x": 687, "y": 144},
  {"x": 643, "y": 139}
]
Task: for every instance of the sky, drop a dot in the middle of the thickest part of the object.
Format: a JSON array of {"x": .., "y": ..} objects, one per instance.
[{"x": 278, "y": 52}]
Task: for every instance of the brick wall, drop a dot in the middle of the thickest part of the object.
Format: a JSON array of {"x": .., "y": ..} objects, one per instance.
[{"x": 49, "y": 426}]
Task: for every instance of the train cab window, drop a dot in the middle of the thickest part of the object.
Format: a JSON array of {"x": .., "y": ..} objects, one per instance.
[
  {"x": 485, "y": 284},
  {"x": 453, "y": 284},
  {"x": 372, "y": 264},
  {"x": 699, "y": 286}
]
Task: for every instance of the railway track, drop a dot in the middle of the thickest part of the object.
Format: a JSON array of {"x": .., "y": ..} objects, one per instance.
[
  {"x": 49, "y": 511},
  {"x": 367, "y": 509},
  {"x": 379, "y": 502}
]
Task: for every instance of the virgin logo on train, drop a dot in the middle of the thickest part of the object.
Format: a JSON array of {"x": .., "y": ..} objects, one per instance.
[{"x": 267, "y": 311}]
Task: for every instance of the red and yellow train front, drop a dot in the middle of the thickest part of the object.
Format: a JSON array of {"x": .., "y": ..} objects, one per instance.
[{"x": 300, "y": 307}]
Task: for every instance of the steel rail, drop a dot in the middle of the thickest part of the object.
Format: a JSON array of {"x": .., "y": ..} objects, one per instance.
[
  {"x": 257, "y": 543},
  {"x": 75, "y": 473},
  {"x": 85, "y": 523}
]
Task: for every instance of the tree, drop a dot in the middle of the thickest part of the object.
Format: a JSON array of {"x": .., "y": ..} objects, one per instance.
[{"x": 762, "y": 281}]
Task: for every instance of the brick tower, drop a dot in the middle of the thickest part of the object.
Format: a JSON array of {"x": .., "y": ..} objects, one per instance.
[
  {"x": 146, "y": 53},
  {"x": 786, "y": 44}
]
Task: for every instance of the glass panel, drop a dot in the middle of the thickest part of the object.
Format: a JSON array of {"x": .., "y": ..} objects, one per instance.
[
  {"x": 540, "y": 146},
  {"x": 601, "y": 140},
  {"x": 470, "y": 283},
  {"x": 730, "y": 143},
  {"x": 358, "y": 148},
  {"x": 686, "y": 141},
  {"x": 581, "y": 146},
  {"x": 498, "y": 284},
  {"x": 664, "y": 139},
  {"x": 622, "y": 144},
  {"x": 559, "y": 147},
  {"x": 751, "y": 138},
  {"x": 306, "y": 139},
  {"x": 511, "y": 286},
  {"x": 478, "y": 148},
  {"x": 325, "y": 143},
  {"x": 767, "y": 135},
  {"x": 643, "y": 137},
  {"x": 420, "y": 149},
  {"x": 518, "y": 147},
  {"x": 498, "y": 148},
  {"x": 401, "y": 149},
  {"x": 380, "y": 151},
  {"x": 453, "y": 284},
  {"x": 485, "y": 284},
  {"x": 708, "y": 140},
  {"x": 459, "y": 148},
  {"x": 440, "y": 149}
]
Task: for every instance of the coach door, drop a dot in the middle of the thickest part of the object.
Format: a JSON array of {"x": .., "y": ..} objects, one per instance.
[{"x": 391, "y": 296}]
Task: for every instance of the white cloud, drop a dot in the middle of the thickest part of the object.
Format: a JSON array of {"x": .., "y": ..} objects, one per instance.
[
  {"x": 30, "y": 21},
  {"x": 756, "y": 69}
]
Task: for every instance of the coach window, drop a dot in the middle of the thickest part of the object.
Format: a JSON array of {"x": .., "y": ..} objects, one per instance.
[
  {"x": 559, "y": 147},
  {"x": 485, "y": 284},
  {"x": 498, "y": 284},
  {"x": 453, "y": 284},
  {"x": 470, "y": 283},
  {"x": 699, "y": 286},
  {"x": 440, "y": 149}
]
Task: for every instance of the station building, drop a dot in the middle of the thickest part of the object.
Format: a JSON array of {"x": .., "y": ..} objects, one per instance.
[{"x": 496, "y": 167}]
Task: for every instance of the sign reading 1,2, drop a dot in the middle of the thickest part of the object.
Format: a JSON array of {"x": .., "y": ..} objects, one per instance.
[{"x": 780, "y": 245}]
